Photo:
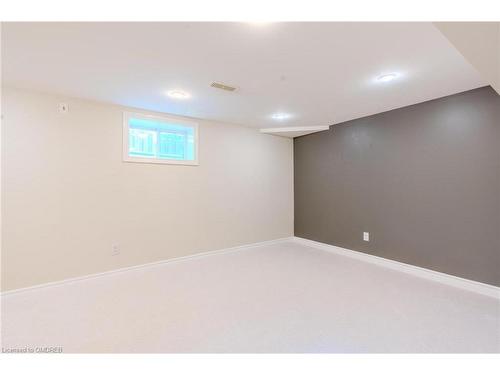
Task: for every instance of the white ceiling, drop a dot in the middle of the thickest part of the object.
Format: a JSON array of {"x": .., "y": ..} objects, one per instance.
[
  {"x": 294, "y": 131},
  {"x": 320, "y": 73},
  {"x": 479, "y": 43}
]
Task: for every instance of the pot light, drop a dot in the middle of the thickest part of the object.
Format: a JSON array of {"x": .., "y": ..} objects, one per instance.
[
  {"x": 178, "y": 94},
  {"x": 387, "y": 77},
  {"x": 280, "y": 116}
]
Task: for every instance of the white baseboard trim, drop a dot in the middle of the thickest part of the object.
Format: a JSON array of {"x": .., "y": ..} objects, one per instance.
[
  {"x": 454, "y": 281},
  {"x": 147, "y": 265}
]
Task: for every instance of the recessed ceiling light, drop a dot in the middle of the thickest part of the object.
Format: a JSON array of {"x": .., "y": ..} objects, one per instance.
[
  {"x": 178, "y": 94},
  {"x": 280, "y": 116},
  {"x": 387, "y": 77}
]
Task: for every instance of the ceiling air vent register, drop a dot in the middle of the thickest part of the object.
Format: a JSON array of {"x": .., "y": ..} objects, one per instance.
[{"x": 222, "y": 86}]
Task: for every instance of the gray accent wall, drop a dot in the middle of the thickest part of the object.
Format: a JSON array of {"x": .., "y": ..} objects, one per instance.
[{"x": 424, "y": 180}]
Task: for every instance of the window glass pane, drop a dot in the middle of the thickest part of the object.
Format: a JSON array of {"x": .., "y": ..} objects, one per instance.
[
  {"x": 161, "y": 140},
  {"x": 142, "y": 142},
  {"x": 173, "y": 146}
]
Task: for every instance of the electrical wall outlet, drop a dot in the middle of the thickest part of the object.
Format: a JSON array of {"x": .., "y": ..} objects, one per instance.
[
  {"x": 366, "y": 236},
  {"x": 115, "y": 250}
]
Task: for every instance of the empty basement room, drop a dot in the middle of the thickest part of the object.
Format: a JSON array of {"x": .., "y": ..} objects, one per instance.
[{"x": 242, "y": 187}]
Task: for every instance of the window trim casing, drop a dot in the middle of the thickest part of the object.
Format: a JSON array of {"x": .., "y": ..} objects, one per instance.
[{"x": 131, "y": 159}]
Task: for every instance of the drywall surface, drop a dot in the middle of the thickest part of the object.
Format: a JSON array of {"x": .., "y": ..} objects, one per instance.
[
  {"x": 424, "y": 181},
  {"x": 68, "y": 197},
  {"x": 479, "y": 43}
]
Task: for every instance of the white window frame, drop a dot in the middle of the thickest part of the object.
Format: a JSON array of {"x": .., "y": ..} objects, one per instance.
[{"x": 131, "y": 159}]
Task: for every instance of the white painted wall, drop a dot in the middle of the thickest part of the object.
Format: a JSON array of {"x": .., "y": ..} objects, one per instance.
[{"x": 68, "y": 196}]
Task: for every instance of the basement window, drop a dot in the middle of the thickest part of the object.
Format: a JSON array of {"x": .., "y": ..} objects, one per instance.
[{"x": 155, "y": 139}]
